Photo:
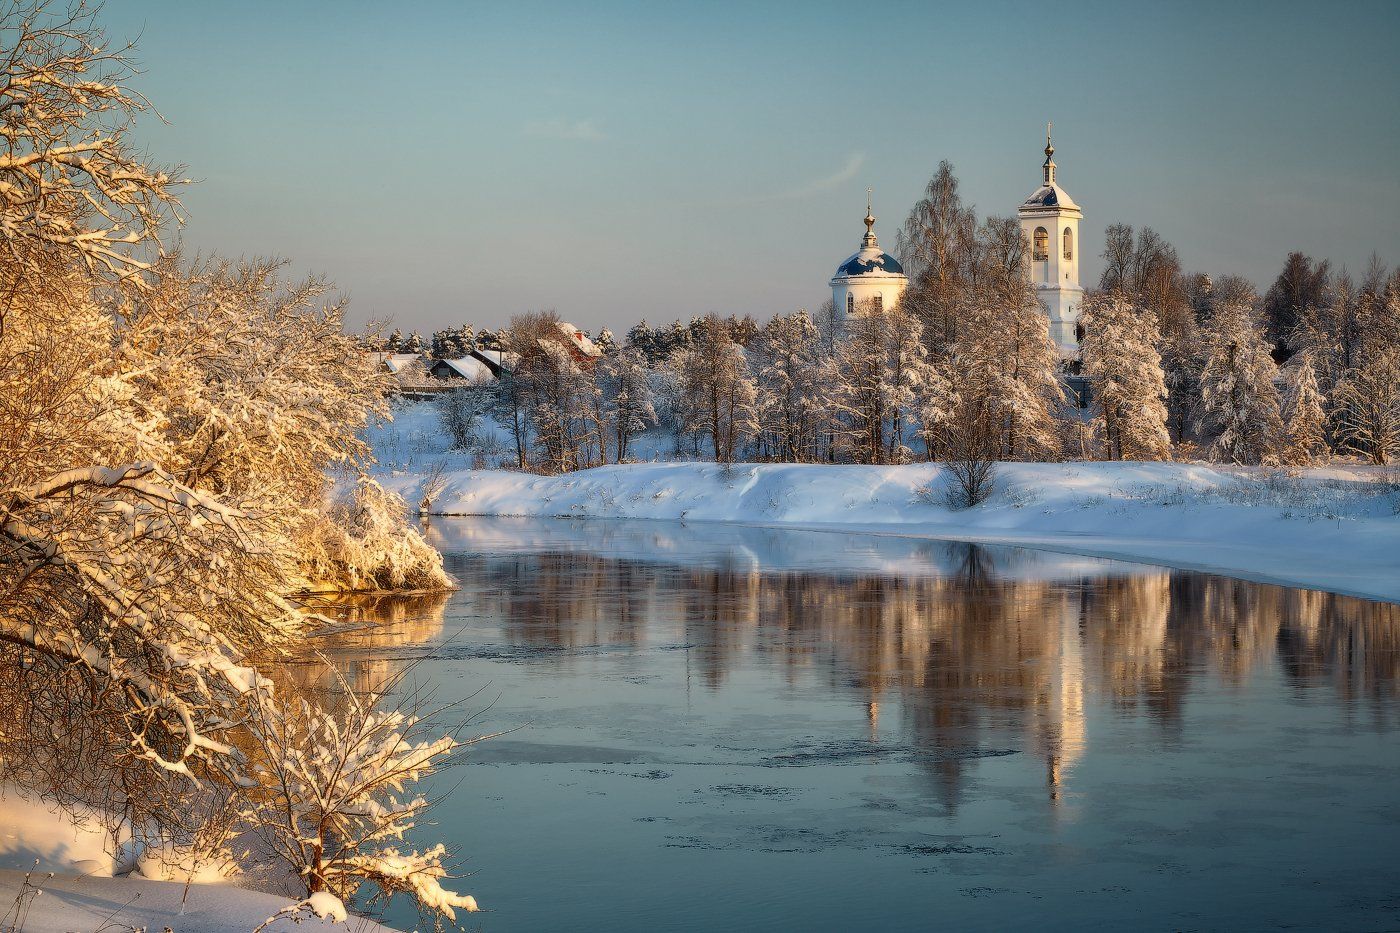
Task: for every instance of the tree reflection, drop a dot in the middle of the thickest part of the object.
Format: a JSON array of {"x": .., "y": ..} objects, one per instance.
[{"x": 985, "y": 647}]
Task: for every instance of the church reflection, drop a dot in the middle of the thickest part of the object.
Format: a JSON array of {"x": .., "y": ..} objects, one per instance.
[{"x": 953, "y": 660}]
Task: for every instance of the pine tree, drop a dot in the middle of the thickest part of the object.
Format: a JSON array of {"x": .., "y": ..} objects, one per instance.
[
  {"x": 606, "y": 342},
  {"x": 1127, "y": 383},
  {"x": 1240, "y": 401},
  {"x": 1305, "y": 408}
]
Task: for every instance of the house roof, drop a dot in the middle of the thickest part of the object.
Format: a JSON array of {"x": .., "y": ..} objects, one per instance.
[
  {"x": 469, "y": 367},
  {"x": 579, "y": 340}
]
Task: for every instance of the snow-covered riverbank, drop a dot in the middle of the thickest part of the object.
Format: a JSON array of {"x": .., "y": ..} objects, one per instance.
[
  {"x": 1333, "y": 529},
  {"x": 57, "y": 876}
]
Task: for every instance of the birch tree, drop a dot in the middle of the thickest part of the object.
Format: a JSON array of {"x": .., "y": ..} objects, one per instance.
[
  {"x": 69, "y": 176},
  {"x": 721, "y": 394}
]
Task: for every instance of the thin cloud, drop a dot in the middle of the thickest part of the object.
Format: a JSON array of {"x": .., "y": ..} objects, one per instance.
[
  {"x": 847, "y": 172},
  {"x": 575, "y": 130}
]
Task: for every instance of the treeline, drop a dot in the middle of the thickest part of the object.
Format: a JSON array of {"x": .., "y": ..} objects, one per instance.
[{"x": 1173, "y": 365}]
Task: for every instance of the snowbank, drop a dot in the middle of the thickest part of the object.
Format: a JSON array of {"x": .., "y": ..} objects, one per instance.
[
  {"x": 71, "y": 861},
  {"x": 1332, "y": 529},
  {"x": 73, "y": 903}
]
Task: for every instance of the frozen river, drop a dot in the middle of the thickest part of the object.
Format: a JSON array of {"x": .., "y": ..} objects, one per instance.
[{"x": 721, "y": 728}]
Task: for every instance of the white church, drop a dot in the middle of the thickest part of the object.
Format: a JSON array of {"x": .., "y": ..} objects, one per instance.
[{"x": 1050, "y": 222}]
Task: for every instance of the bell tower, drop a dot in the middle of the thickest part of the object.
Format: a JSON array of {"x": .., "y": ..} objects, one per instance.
[{"x": 1050, "y": 224}]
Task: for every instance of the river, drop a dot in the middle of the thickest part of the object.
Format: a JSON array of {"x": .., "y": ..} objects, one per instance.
[{"x": 727, "y": 728}]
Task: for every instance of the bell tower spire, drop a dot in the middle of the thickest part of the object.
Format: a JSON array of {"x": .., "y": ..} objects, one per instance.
[
  {"x": 1050, "y": 223},
  {"x": 869, "y": 239}
]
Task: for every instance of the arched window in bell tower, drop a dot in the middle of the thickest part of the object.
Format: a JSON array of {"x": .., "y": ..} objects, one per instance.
[
  {"x": 1069, "y": 243},
  {"x": 850, "y": 303},
  {"x": 1041, "y": 251}
]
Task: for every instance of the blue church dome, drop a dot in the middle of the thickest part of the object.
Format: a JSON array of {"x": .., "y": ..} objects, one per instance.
[{"x": 866, "y": 263}]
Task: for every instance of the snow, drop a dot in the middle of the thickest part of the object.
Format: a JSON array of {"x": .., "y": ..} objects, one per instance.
[
  {"x": 70, "y": 902},
  {"x": 72, "y": 862},
  {"x": 34, "y": 834},
  {"x": 1334, "y": 529},
  {"x": 326, "y": 905},
  {"x": 471, "y": 368}
]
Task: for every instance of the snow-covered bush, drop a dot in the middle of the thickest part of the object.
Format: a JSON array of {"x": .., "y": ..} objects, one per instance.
[
  {"x": 363, "y": 543},
  {"x": 332, "y": 803}
]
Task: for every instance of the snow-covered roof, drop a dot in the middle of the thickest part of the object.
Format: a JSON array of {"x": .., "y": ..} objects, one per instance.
[
  {"x": 1049, "y": 198},
  {"x": 469, "y": 367},
  {"x": 870, "y": 262},
  {"x": 397, "y": 362},
  {"x": 579, "y": 340}
]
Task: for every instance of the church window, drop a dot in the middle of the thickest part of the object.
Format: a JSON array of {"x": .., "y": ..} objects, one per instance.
[
  {"x": 1069, "y": 244},
  {"x": 1041, "y": 252},
  {"x": 879, "y": 303},
  {"x": 850, "y": 303}
]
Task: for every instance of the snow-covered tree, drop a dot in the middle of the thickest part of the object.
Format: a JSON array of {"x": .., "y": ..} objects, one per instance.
[
  {"x": 334, "y": 806},
  {"x": 460, "y": 409},
  {"x": 1368, "y": 407},
  {"x": 1240, "y": 401},
  {"x": 165, "y": 435},
  {"x": 878, "y": 378},
  {"x": 564, "y": 397},
  {"x": 1004, "y": 366},
  {"x": 626, "y": 399},
  {"x": 1125, "y": 372},
  {"x": 791, "y": 390},
  {"x": 721, "y": 398},
  {"x": 1304, "y": 409},
  {"x": 70, "y": 178},
  {"x": 606, "y": 342}
]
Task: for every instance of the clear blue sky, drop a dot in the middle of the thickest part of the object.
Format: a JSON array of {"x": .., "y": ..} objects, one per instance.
[{"x": 449, "y": 162}]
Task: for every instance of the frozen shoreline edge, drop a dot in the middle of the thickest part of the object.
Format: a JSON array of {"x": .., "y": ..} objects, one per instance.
[{"x": 1067, "y": 508}]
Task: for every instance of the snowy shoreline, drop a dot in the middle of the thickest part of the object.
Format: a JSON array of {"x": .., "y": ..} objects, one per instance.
[
  {"x": 1333, "y": 529},
  {"x": 72, "y": 902}
]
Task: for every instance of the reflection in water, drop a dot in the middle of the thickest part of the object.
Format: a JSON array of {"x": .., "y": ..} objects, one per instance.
[
  {"x": 364, "y": 626},
  {"x": 963, "y": 637},
  {"x": 841, "y": 732}
]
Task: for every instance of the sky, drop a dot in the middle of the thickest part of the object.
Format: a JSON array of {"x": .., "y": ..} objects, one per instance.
[{"x": 455, "y": 162}]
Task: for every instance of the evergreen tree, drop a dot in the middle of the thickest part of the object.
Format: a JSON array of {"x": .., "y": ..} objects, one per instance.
[
  {"x": 1240, "y": 401},
  {"x": 606, "y": 342},
  {"x": 1127, "y": 383},
  {"x": 1299, "y": 290},
  {"x": 1304, "y": 408}
]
